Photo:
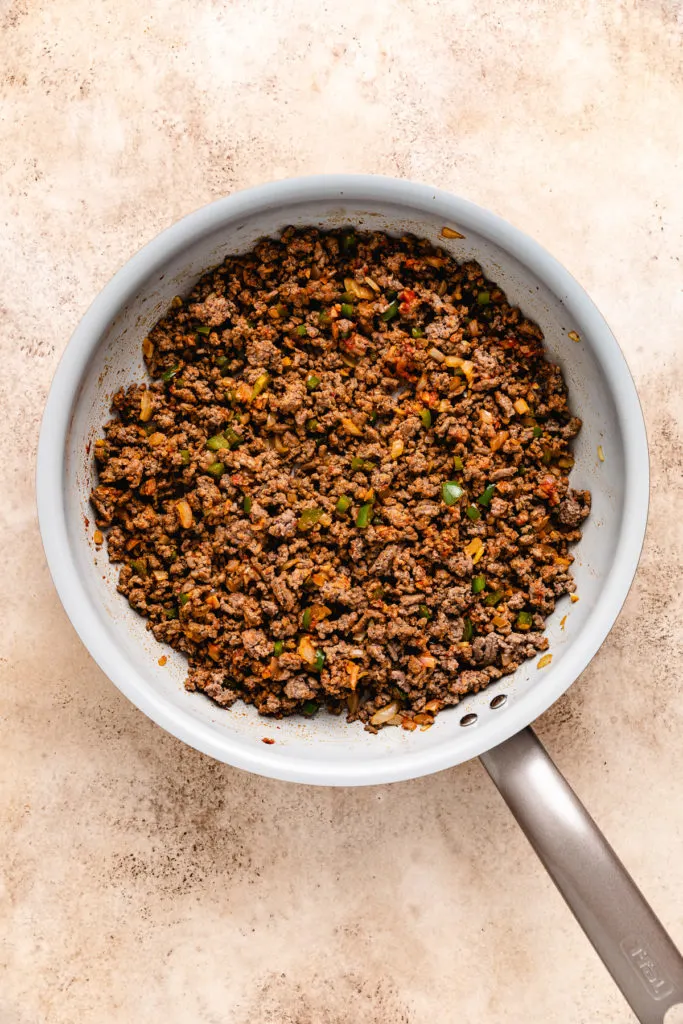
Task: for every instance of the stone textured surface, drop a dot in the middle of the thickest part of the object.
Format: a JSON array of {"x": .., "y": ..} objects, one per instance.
[{"x": 140, "y": 880}]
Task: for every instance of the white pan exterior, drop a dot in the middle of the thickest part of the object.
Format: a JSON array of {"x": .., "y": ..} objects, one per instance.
[{"x": 105, "y": 353}]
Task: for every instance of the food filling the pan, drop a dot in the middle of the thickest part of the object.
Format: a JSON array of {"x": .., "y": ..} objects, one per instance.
[{"x": 346, "y": 486}]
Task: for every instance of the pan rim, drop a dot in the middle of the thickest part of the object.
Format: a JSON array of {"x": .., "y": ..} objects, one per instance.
[{"x": 275, "y": 761}]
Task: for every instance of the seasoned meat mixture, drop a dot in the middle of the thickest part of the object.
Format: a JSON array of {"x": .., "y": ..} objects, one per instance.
[{"x": 347, "y": 484}]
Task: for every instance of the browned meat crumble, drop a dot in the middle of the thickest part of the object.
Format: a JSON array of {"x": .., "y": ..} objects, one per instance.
[{"x": 347, "y": 484}]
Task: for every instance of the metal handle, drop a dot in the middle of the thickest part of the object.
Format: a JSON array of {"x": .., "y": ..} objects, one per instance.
[{"x": 601, "y": 894}]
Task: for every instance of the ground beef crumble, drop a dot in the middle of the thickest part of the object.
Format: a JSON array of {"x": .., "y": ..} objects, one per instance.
[{"x": 347, "y": 485}]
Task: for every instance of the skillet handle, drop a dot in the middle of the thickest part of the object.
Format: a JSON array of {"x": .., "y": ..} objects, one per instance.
[{"x": 601, "y": 894}]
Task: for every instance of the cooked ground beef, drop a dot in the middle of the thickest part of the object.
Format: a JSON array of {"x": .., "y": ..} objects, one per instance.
[{"x": 347, "y": 484}]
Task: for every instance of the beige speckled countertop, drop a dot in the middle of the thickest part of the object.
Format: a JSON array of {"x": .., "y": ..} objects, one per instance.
[{"x": 141, "y": 881}]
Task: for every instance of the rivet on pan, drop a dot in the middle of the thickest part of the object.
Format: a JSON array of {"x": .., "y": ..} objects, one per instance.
[
  {"x": 498, "y": 701},
  {"x": 468, "y": 719}
]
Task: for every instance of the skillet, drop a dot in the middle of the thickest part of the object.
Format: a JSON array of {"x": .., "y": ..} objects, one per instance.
[{"x": 105, "y": 353}]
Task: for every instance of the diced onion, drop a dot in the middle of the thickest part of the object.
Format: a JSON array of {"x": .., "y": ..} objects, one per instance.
[
  {"x": 184, "y": 513},
  {"x": 423, "y": 719},
  {"x": 384, "y": 714},
  {"x": 353, "y": 702},
  {"x": 359, "y": 290},
  {"x": 146, "y": 406},
  {"x": 545, "y": 660},
  {"x": 350, "y": 427},
  {"x": 306, "y": 650},
  {"x": 450, "y": 233},
  {"x": 318, "y": 613},
  {"x": 353, "y": 674},
  {"x": 437, "y": 354}
]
